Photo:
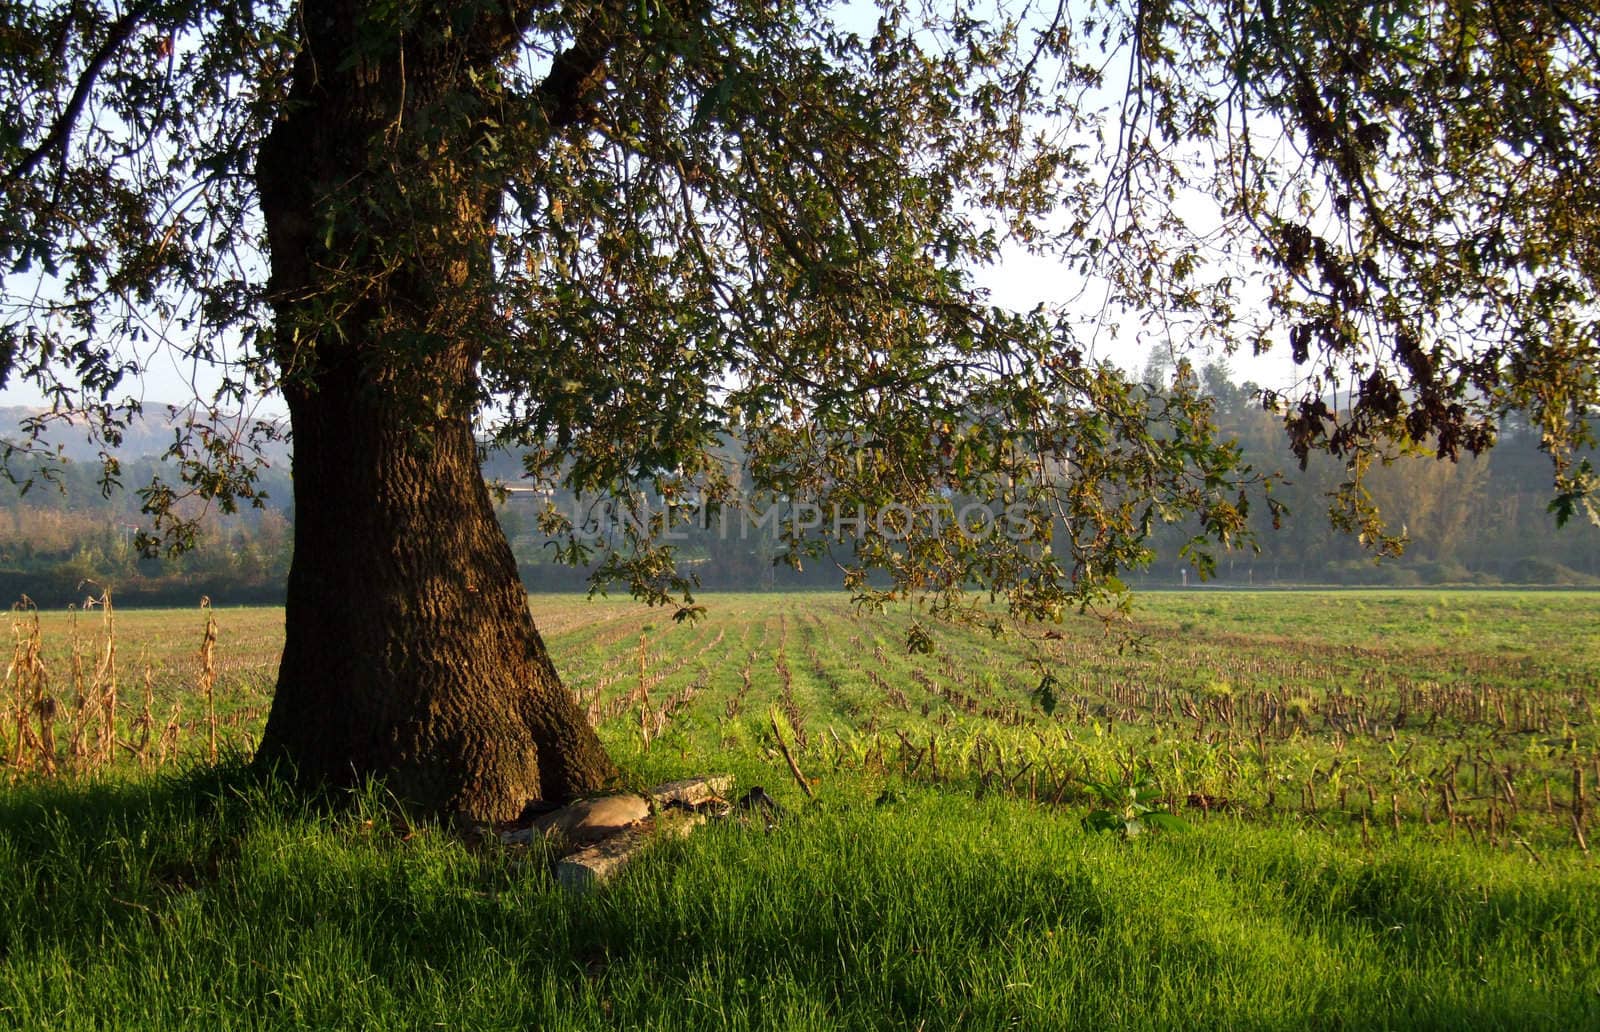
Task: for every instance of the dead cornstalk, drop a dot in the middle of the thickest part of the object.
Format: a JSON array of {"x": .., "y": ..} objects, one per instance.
[
  {"x": 104, "y": 688},
  {"x": 35, "y": 708},
  {"x": 1578, "y": 807},
  {"x": 208, "y": 674},
  {"x": 147, "y": 719},
  {"x": 794, "y": 768}
]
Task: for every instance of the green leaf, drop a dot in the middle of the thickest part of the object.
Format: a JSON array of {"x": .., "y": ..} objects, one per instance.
[
  {"x": 1102, "y": 820},
  {"x": 1163, "y": 821}
]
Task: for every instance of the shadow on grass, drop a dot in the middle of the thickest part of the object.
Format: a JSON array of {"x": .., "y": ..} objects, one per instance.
[
  {"x": 81, "y": 859},
  {"x": 218, "y": 898}
]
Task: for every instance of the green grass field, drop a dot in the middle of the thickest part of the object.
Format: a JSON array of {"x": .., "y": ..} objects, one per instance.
[{"x": 1388, "y": 798}]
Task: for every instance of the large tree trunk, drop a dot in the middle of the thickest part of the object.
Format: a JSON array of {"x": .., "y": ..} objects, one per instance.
[{"x": 409, "y": 653}]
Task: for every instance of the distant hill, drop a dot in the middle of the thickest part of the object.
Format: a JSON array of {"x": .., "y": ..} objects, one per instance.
[{"x": 148, "y": 437}]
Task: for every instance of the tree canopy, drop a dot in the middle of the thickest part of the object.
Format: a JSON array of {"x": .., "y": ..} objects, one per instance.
[{"x": 714, "y": 222}]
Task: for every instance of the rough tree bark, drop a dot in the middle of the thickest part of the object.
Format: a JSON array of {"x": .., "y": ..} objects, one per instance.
[{"x": 410, "y": 653}]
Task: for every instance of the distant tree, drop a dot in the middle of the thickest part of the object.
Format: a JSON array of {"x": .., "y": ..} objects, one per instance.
[
  {"x": 630, "y": 232},
  {"x": 1158, "y": 365},
  {"x": 1216, "y": 379}
]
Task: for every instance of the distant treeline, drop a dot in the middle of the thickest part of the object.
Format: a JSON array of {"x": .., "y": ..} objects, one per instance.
[
  {"x": 65, "y": 541},
  {"x": 1481, "y": 521}
]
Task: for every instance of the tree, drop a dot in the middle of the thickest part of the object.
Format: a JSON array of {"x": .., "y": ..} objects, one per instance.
[{"x": 632, "y": 234}]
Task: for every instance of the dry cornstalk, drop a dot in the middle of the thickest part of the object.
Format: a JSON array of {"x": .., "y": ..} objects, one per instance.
[
  {"x": 29, "y": 681},
  {"x": 208, "y": 674},
  {"x": 79, "y": 714},
  {"x": 104, "y": 688},
  {"x": 794, "y": 768},
  {"x": 170, "y": 735},
  {"x": 1578, "y": 807}
]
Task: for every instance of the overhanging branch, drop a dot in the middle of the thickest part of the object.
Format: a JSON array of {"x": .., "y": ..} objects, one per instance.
[
  {"x": 577, "y": 72},
  {"x": 61, "y": 129}
]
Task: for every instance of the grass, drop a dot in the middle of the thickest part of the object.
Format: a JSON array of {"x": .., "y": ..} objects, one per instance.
[
  {"x": 211, "y": 902},
  {"x": 915, "y": 891}
]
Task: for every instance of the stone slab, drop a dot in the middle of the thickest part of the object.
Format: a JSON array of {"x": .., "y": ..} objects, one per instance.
[
  {"x": 693, "y": 791},
  {"x": 601, "y": 835},
  {"x": 594, "y": 865}
]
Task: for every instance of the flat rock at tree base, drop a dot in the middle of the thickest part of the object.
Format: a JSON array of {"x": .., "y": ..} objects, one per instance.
[
  {"x": 600, "y": 835},
  {"x": 589, "y": 820},
  {"x": 693, "y": 791},
  {"x": 596, "y": 864}
]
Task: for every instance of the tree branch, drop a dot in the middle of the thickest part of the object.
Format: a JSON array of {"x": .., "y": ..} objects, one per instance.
[
  {"x": 61, "y": 130},
  {"x": 578, "y": 71}
]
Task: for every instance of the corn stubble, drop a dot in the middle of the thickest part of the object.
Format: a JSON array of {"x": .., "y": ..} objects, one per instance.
[
  {"x": 1452, "y": 742},
  {"x": 68, "y": 717}
]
